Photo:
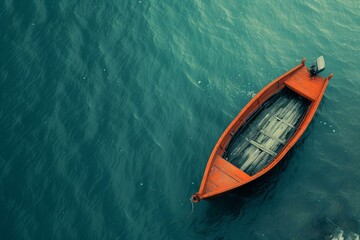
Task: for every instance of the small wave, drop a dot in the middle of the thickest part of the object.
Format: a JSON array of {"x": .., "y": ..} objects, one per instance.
[{"x": 340, "y": 234}]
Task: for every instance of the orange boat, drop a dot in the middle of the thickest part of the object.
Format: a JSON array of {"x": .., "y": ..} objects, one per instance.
[{"x": 264, "y": 130}]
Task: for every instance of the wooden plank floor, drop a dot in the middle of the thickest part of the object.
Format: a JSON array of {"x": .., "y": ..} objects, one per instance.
[{"x": 258, "y": 142}]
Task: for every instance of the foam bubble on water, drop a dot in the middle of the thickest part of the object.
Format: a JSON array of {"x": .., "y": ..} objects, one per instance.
[
  {"x": 342, "y": 235},
  {"x": 251, "y": 94},
  {"x": 338, "y": 235}
]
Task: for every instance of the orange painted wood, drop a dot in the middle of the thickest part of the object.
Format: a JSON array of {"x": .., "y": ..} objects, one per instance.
[
  {"x": 221, "y": 176},
  {"x": 305, "y": 86},
  {"x": 224, "y": 175}
]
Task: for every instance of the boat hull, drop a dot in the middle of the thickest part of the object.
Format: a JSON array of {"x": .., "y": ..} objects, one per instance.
[{"x": 240, "y": 158}]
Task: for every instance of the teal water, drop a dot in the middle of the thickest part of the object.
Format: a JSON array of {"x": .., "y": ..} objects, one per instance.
[{"x": 109, "y": 111}]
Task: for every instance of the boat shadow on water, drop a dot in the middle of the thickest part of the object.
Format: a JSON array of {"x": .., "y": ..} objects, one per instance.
[{"x": 233, "y": 204}]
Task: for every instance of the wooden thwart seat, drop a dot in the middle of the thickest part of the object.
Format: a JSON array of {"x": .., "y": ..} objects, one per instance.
[
  {"x": 261, "y": 147},
  {"x": 269, "y": 135},
  {"x": 283, "y": 121}
]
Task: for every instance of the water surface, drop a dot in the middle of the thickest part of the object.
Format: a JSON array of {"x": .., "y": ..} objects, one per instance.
[{"x": 109, "y": 112}]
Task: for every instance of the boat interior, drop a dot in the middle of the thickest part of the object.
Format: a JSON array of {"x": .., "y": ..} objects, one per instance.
[{"x": 257, "y": 142}]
